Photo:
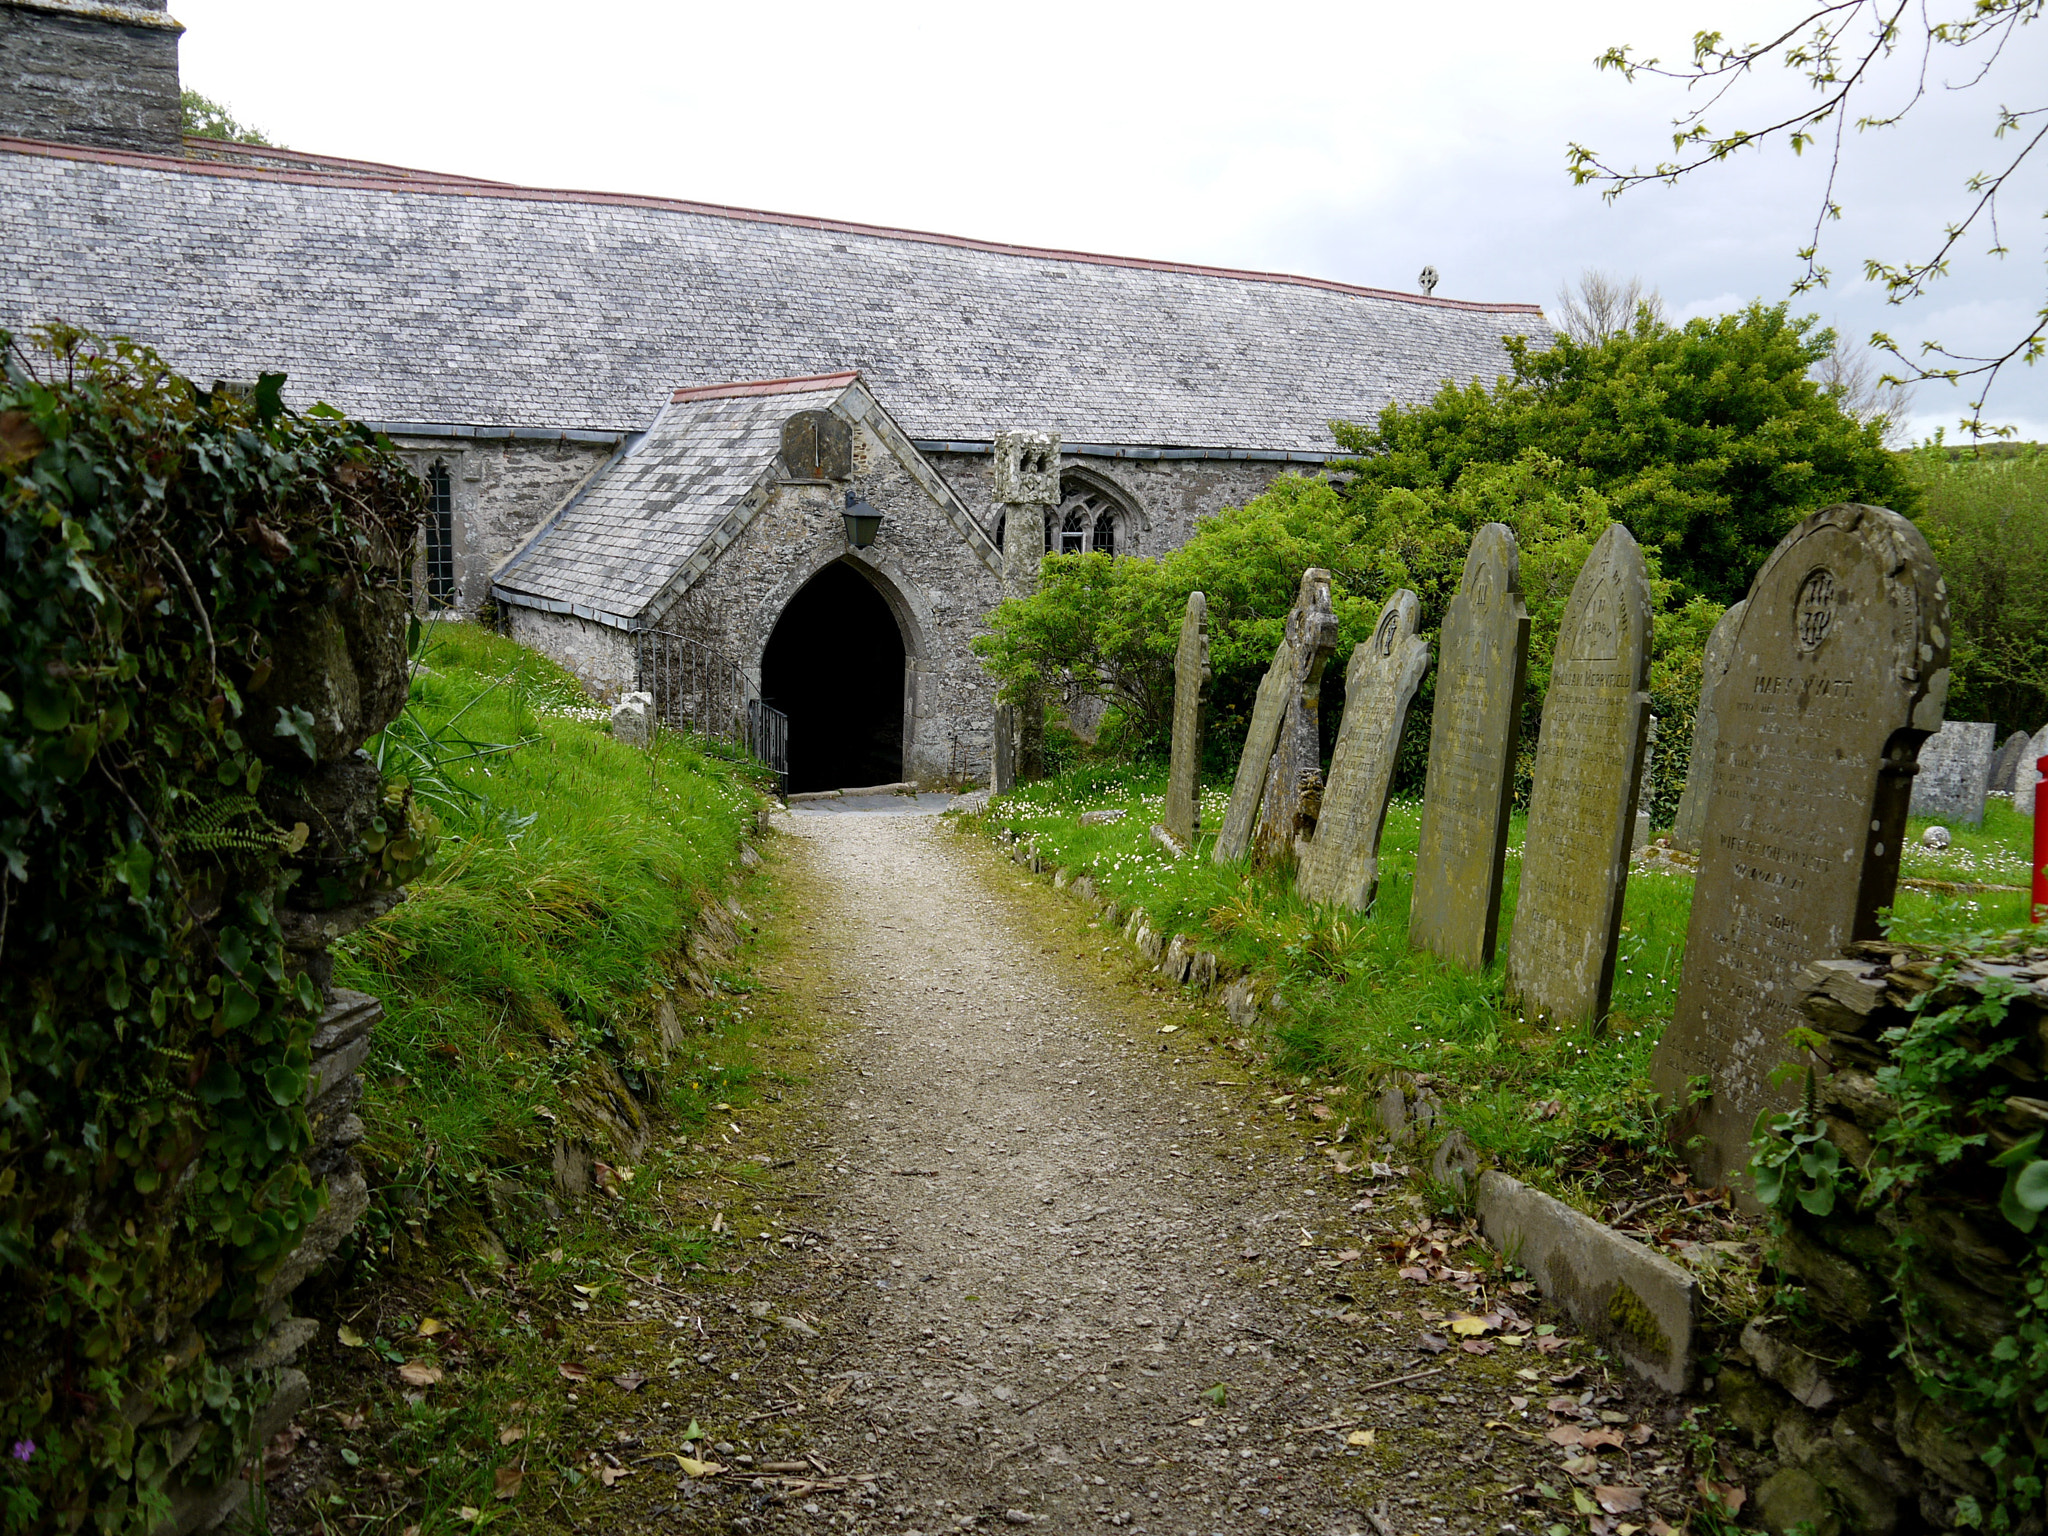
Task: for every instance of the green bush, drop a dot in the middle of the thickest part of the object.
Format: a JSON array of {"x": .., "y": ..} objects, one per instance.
[
  {"x": 1986, "y": 518},
  {"x": 153, "y": 1041}
]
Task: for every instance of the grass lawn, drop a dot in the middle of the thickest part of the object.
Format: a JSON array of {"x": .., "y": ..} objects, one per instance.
[{"x": 1569, "y": 1109}]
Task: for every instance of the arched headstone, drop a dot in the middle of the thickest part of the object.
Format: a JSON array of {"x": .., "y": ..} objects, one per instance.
[
  {"x": 1840, "y": 672},
  {"x": 1582, "y": 807},
  {"x": 1342, "y": 864},
  {"x": 1482, "y": 660},
  {"x": 2026, "y": 778}
]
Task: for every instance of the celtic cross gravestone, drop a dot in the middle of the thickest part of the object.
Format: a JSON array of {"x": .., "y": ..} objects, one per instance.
[
  {"x": 1706, "y": 733},
  {"x": 1293, "y": 796},
  {"x": 1342, "y": 862},
  {"x": 1582, "y": 807},
  {"x": 1473, "y": 732},
  {"x": 1840, "y": 672},
  {"x": 1183, "y": 813}
]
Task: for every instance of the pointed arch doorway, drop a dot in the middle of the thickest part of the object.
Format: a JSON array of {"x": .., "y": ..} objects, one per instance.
[{"x": 834, "y": 665}]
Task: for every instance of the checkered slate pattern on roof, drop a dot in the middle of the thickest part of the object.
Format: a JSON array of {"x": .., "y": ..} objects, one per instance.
[
  {"x": 641, "y": 518},
  {"x": 466, "y": 304}
]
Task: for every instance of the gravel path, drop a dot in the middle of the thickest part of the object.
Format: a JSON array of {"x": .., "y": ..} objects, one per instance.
[{"x": 1052, "y": 1232}]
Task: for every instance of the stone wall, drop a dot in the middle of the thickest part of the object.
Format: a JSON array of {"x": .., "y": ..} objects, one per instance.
[
  {"x": 1168, "y": 495},
  {"x": 602, "y": 657},
  {"x": 502, "y": 489},
  {"x": 99, "y": 72},
  {"x": 1820, "y": 1379},
  {"x": 933, "y": 579}
]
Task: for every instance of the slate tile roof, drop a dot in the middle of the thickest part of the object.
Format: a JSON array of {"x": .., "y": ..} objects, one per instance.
[
  {"x": 408, "y": 297},
  {"x": 612, "y": 549}
]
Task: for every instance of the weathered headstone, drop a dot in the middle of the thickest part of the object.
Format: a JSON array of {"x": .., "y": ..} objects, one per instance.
[
  {"x": 1235, "y": 836},
  {"x": 1706, "y": 732},
  {"x": 1582, "y": 806},
  {"x": 1482, "y": 659},
  {"x": 2027, "y": 779},
  {"x": 1183, "y": 814},
  {"x": 1342, "y": 862},
  {"x": 1293, "y": 796},
  {"x": 1955, "y": 769},
  {"x": 2005, "y": 768},
  {"x": 1841, "y": 670}
]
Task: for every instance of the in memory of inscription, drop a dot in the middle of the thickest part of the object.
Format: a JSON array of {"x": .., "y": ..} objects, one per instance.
[
  {"x": 1582, "y": 806},
  {"x": 1840, "y": 673},
  {"x": 1475, "y": 726},
  {"x": 1293, "y": 797},
  {"x": 1342, "y": 861},
  {"x": 1183, "y": 812},
  {"x": 1706, "y": 733}
]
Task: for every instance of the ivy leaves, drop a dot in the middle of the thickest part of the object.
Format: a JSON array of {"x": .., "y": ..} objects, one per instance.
[{"x": 2025, "y": 1195}]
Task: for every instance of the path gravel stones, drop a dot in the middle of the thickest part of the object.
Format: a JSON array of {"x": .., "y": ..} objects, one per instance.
[{"x": 1076, "y": 1271}]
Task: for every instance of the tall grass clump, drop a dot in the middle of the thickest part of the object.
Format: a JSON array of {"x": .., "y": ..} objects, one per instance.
[{"x": 524, "y": 976}]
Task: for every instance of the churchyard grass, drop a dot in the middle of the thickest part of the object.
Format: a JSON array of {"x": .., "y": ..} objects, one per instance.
[
  {"x": 524, "y": 966},
  {"x": 1568, "y": 1109},
  {"x": 535, "y": 948}
]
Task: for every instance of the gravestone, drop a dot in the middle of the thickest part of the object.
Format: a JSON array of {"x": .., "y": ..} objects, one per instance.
[
  {"x": 2005, "y": 768},
  {"x": 1183, "y": 814},
  {"x": 1235, "y": 836},
  {"x": 1706, "y": 732},
  {"x": 1342, "y": 863},
  {"x": 2027, "y": 778},
  {"x": 1293, "y": 796},
  {"x": 1840, "y": 672},
  {"x": 1582, "y": 806},
  {"x": 1646, "y": 777},
  {"x": 1482, "y": 659},
  {"x": 1955, "y": 770}
]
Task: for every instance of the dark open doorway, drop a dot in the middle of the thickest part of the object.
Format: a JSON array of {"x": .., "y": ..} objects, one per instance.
[{"x": 835, "y": 666}]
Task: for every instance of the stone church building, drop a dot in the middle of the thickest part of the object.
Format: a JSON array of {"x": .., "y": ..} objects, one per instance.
[{"x": 599, "y": 388}]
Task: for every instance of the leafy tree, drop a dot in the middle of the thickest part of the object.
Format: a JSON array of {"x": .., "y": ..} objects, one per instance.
[
  {"x": 206, "y": 118},
  {"x": 1708, "y": 441},
  {"x": 1986, "y": 517},
  {"x": 1846, "y": 50}
]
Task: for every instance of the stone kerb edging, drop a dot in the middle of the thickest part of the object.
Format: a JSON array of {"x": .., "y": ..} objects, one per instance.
[{"x": 1618, "y": 1290}]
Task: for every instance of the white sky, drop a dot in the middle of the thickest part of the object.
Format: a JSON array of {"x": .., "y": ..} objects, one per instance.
[{"x": 1351, "y": 141}]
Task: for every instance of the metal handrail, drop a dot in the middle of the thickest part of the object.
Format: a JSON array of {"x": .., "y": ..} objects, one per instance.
[{"x": 698, "y": 687}]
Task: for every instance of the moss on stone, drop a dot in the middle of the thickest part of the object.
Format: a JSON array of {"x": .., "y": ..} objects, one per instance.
[{"x": 1633, "y": 1320}]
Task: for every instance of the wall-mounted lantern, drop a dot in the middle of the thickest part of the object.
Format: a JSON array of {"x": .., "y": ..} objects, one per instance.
[{"x": 863, "y": 522}]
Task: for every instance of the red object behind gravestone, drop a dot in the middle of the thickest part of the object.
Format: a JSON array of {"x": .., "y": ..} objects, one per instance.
[{"x": 2040, "y": 846}]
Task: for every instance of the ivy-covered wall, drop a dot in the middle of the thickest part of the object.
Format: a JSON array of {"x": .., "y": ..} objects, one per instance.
[
  {"x": 202, "y": 619},
  {"x": 1901, "y": 1375}
]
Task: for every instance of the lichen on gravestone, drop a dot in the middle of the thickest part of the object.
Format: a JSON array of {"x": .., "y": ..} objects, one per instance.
[
  {"x": 1475, "y": 727},
  {"x": 1841, "y": 671},
  {"x": 1341, "y": 862},
  {"x": 1582, "y": 807},
  {"x": 1955, "y": 772},
  {"x": 1292, "y": 798},
  {"x": 1182, "y": 816}
]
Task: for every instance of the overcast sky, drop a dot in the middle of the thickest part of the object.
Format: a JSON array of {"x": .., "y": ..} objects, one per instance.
[{"x": 1356, "y": 141}]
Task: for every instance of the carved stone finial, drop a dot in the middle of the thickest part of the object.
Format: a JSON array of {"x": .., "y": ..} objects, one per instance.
[
  {"x": 1028, "y": 468},
  {"x": 1428, "y": 280}
]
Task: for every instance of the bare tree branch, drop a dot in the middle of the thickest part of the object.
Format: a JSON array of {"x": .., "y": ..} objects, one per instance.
[{"x": 1838, "y": 48}]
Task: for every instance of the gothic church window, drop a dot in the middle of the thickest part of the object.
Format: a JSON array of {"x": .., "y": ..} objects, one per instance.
[
  {"x": 1090, "y": 517},
  {"x": 440, "y": 536}
]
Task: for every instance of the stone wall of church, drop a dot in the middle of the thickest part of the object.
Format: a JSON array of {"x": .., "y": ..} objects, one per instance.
[
  {"x": 604, "y": 659},
  {"x": 930, "y": 575},
  {"x": 1168, "y": 494},
  {"x": 502, "y": 488},
  {"x": 105, "y": 76}
]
